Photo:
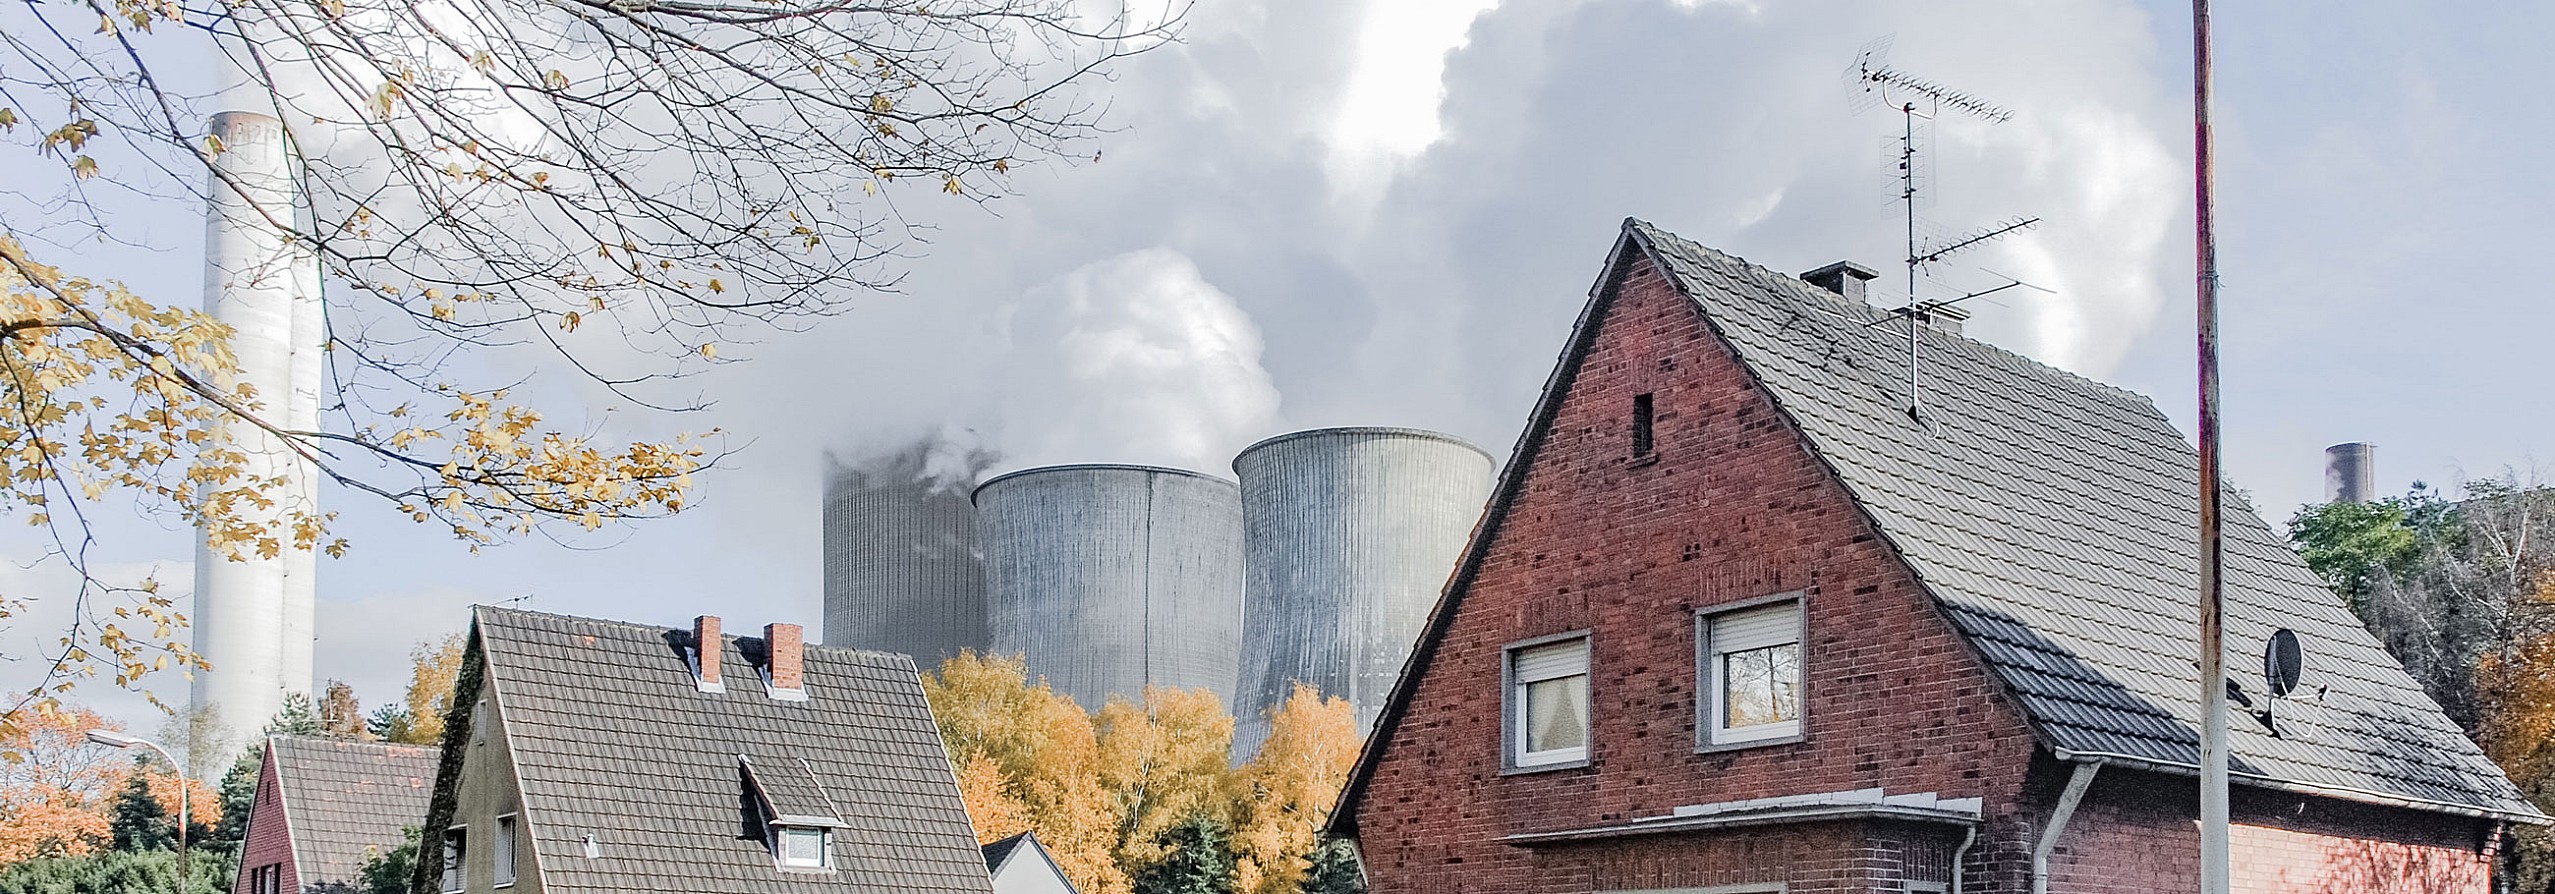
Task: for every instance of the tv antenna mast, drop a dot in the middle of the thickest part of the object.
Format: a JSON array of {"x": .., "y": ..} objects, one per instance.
[{"x": 1876, "y": 83}]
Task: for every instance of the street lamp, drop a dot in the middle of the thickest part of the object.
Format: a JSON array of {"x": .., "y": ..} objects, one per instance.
[{"x": 113, "y": 739}]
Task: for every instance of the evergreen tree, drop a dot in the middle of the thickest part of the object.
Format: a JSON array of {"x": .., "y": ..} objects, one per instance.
[
  {"x": 114, "y": 872},
  {"x": 388, "y": 872},
  {"x": 1335, "y": 869},
  {"x": 1200, "y": 860}
]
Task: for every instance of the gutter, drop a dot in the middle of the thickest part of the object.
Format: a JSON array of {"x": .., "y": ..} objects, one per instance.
[
  {"x": 2343, "y": 792},
  {"x": 2077, "y": 781}
]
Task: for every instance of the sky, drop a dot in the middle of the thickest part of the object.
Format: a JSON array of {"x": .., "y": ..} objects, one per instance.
[{"x": 1330, "y": 212}]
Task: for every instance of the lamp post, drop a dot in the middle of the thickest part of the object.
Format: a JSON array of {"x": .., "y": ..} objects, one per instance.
[{"x": 113, "y": 739}]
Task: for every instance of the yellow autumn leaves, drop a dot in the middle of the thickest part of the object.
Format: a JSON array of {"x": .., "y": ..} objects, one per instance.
[
  {"x": 1102, "y": 789},
  {"x": 104, "y": 395}
]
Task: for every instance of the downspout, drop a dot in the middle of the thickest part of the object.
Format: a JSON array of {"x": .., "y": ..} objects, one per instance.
[
  {"x": 1960, "y": 855},
  {"x": 2077, "y": 781}
]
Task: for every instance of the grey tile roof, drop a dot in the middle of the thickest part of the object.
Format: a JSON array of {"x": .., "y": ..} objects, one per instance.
[
  {"x": 611, "y": 738},
  {"x": 2054, "y": 519},
  {"x": 346, "y": 801}
]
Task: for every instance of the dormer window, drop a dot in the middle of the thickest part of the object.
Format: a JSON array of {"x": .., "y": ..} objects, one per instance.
[
  {"x": 803, "y": 847},
  {"x": 787, "y": 807}
]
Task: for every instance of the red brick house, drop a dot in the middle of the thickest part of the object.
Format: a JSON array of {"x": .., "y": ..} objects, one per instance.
[
  {"x": 1738, "y": 621},
  {"x": 326, "y": 806}
]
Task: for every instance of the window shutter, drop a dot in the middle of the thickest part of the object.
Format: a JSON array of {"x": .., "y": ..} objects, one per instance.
[
  {"x": 1756, "y": 628},
  {"x": 1549, "y": 661}
]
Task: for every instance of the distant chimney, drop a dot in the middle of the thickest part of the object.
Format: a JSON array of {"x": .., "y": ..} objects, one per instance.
[
  {"x": 1943, "y": 318},
  {"x": 1845, "y": 278},
  {"x": 2350, "y": 472},
  {"x": 706, "y": 647},
  {"x": 787, "y": 646}
]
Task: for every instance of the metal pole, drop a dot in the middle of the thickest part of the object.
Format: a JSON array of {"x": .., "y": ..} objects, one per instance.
[
  {"x": 1907, "y": 196},
  {"x": 183, "y": 820},
  {"x": 2213, "y": 686}
]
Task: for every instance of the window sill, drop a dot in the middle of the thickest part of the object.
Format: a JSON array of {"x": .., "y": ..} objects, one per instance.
[
  {"x": 1745, "y": 744},
  {"x": 1580, "y": 764},
  {"x": 1646, "y": 459}
]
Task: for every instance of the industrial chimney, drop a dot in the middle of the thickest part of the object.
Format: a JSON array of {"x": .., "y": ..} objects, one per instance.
[
  {"x": 254, "y": 618},
  {"x": 2350, "y": 472}
]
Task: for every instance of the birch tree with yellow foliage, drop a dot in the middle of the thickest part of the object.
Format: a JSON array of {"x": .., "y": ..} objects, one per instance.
[
  {"x": 606, "y": 193},
  {"x": 1116, "y": 794}
]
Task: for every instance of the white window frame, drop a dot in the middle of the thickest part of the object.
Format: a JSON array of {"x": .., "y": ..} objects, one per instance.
[
  {"x": 781, "y": 847},
  {"x": 501, "y": 853},
  {"x": 456, "y": 859},
  {"x": 1513, "y": 701},
  {"x": 1710, "y": 733}
]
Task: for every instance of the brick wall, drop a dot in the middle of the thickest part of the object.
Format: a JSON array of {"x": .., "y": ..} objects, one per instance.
[
  {"x": 270, "y": 839},
  {"x": 2135, "y": 833},
  {"x": 1733, "y": 508}
]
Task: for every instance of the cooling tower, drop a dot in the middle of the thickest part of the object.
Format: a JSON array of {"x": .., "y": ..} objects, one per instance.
[
  {"x": 901, "y": 569},
  {"x": 1109, "y": 578},
  {"x": 1351, "y": 534},
  {"x": 254, "y": 619},
  {"x": 2350, "y": 471}
]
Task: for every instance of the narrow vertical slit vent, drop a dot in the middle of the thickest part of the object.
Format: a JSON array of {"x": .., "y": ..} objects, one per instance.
[{"x": 1641, "y": 426}]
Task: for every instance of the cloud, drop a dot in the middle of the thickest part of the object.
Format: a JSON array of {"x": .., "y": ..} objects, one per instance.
[{"x": 1136, "y": 358}]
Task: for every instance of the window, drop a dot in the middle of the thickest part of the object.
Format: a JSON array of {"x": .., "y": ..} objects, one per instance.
[
  {"x": 267, "y": 879},
  {"x": 802, "y": 847},
  {"x": 502, "y": 852},
  {"x": 455, "y": 877},
  {"x": 1641, "y": 426},
  {"x": 1548, "y": 703},
  {"x": 1750, "y": 674}
]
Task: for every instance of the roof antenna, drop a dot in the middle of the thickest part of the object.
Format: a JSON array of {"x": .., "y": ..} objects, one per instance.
[{"x": 1874, "y": 82}]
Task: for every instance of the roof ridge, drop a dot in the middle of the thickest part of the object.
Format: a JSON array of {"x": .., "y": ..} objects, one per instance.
[{"x": 1653, "y": 231}]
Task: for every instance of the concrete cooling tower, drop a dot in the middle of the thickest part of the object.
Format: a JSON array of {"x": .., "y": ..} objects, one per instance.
[
  {"x": 1351, "y": 534},
  {"x": 1109, "y": 578},
  {"x": 902, "y": 573}
]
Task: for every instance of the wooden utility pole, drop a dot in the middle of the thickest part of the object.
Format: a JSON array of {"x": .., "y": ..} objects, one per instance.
[{"x": 2213, "y": 672}]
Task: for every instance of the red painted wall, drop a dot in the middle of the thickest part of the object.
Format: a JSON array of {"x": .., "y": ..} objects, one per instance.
[{"x": 270, "y": 837}]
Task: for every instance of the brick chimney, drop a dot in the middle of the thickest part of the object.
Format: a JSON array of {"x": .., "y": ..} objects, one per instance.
[
  {"x": 706, "y": 648},
  {"x": 788, "y": 647},
  {"x": 1845, "y": 278}
]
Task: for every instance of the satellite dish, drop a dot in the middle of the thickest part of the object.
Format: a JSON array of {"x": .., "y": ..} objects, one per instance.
[{"x": 2282, "y": 662}]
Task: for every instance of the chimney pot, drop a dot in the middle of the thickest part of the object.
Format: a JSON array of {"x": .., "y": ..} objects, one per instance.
[
  {"x": 788, "y": 646},
  {"x": 706, "y": 649},
  {"x": 1943, "y": 318},
  {"x": 1845, "y": 278}
]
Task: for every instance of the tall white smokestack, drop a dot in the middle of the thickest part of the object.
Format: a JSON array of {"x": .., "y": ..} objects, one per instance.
[{"x": 253, "y": 618}]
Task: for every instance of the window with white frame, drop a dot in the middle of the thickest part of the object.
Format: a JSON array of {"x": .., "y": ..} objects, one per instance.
[
  {"x": 501, "y": 853},
  {"x": 1750, "y": 674},
  {"x": 455, "y": 877},
  {"x": 802, "y": 847},
  {"x": 1548, "y": 703}
]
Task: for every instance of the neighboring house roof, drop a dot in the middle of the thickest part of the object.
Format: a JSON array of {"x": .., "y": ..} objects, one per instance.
[
  {"x": 2054, "y": 519},
  {"x": 347, "y": 801},
  {"x": 610, "y": 737},
  {"x": 1021, "y": 865}
]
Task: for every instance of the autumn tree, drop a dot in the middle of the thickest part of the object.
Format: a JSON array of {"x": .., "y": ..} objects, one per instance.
[
  {"x": 53, "y": 798},
  {"x": 1045, "y": 752},
  {"x": 1284, "y": 795},
  {"x": 341, "y": 716},
  {"x": 610, "y": 191},
  {"x": 2457, "y": 590},
  {"x": 1165, "y": 762}
]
